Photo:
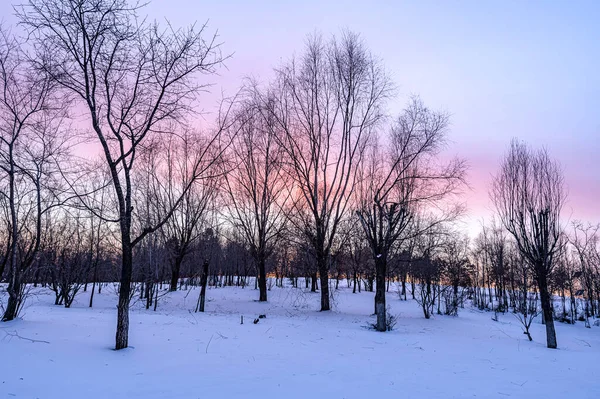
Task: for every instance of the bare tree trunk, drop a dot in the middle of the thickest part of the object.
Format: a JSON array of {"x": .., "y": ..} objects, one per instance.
[
  {"x": 13, "y": 285},
  {"x": 14, "y": 289},
  {"x": 380, "y": 267},
  {"x": 324, "y": 279},
  {"x": 203, "y": 282},
  {"x": 313, "y": 282},
  {"x": 94, "y": 282},
  {"x": 262, "y": 280},
  {"x": 124, "y": 294},
  {"x": 150, "y": 287},
  {"x": 155, "y": 298},
  {"x": 92, "y": 293},
  {"x": 175, "y": 272},
  {"x": 547, "y": 312}
]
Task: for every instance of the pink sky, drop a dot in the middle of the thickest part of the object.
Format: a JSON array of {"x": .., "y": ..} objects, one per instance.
[
  {"x": 526, "y": 69},
  {"x": 513, "y": 69}
]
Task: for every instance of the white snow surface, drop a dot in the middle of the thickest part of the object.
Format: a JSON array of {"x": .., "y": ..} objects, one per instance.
[{"x": 295, "y": 352}]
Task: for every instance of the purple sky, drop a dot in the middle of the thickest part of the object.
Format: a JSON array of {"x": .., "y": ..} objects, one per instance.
[{"x": 503, "y": 69}]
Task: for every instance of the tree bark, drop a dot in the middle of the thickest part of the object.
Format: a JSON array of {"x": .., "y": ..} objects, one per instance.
[
  {"x": 124, "y": 294},
  {"x": 14, "y": 289},
  {"x": 380, "y": 269},
  {"x": 324, "y": 279},
  {"x": 262, "y": 280},
  {"x": 547, "y": 312},
  {"x": 175, "y": 273},
  {"x": 203, "y": 282},
  {"x": 313, "y": 282}
]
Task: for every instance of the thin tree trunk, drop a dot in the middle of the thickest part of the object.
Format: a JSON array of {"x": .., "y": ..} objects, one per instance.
[
  {"x": 92, "y": 293},
  {"x": 94, "y": 282},
  {"x": 13, "y": 286},
  {"x": 203, "y": 282}
]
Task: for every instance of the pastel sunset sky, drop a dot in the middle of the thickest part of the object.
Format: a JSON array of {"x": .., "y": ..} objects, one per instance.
[{"x": 503, "y": 69}]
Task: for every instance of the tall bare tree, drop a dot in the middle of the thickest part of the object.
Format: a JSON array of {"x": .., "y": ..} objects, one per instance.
[
  {"x": 133, "y": 78},
  {"x": 331, "y": 99},
  {"x": 407, "y": 179},
  {"x": 256, "y": 188},
  {"x": 529, "y": 194}
]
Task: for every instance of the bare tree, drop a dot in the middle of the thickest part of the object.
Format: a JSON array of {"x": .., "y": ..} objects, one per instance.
[
  {"x": 209, "y": 244},
  {"x": 357, "y": 252},
  {"x": 458, "y": 270},
  {"x": 188, "y": 221},
  {"x": 331, "y": 99},
  {"x": 526, "y": 303},
  {"x": 585, "y": 240},
  {"x": 529, "y": 194},
  {"x": 426, "y": 267},
  {"x": 493, "y": 246},
  {"x": 133, "y": 77},
  {"x": 405, "y": 180},
  {"x": 98, "y": 198},
  {"x": 29, "y": 149},
  {"x": 256, "y": 189},
  {"x": 65, "y": 255}
]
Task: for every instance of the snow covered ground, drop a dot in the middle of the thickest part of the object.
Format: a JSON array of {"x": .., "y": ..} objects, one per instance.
[{"x": 295, "y": 352}]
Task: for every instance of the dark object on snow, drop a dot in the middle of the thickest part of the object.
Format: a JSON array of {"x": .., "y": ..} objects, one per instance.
[
  {"x": 256, "y": 321},
  {"x": 241, "y": 319},
  {"x": 262, "y": 316}
]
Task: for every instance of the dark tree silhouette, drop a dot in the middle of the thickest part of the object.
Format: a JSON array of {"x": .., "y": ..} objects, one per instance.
[
  {"x": 397, "y": 184},
  {"x": 256, "y": 189},
  {"x": 133, "y": 77},
  {"x": 329, "y": 101},
  {"x": 529, "y": 194}
]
